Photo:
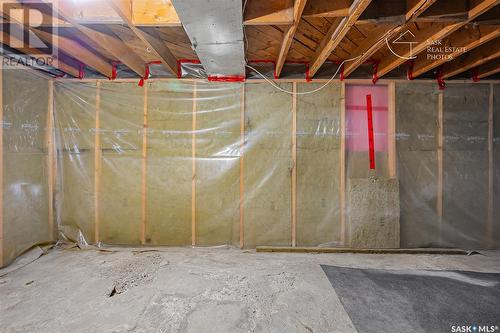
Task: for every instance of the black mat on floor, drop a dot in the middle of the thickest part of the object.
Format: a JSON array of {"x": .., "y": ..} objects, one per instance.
[{"x": 379, "y": 300}]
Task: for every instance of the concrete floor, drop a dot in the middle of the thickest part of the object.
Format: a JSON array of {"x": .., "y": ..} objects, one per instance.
[{"x": 192, "y": 290}]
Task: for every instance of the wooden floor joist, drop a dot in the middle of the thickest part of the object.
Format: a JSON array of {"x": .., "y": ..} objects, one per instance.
[
  {"x": 110, "y": 43},
  {"x": 59, "y": 64},
  {"x": 434, "y": 32},
  {"x": 488, "y": 69},
  {"x": 153, "y": 43},
  {"x": 481, "y": 55},
  {"x": 335, "y": 34},
  {"x": 377, "y": 39},
  {"x": 288, "y": 36},
  {"x": 79, "y": 52},
  {"x": 461, "y": 42}
]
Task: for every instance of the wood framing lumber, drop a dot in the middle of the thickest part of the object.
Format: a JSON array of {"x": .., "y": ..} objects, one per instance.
[
  {"x": 460, "y": 42},
  {"x": 265, "y": 12},
  {"x": 434, "y": 32},
  {"x": 59, "y": 64},
  {"x": 488, "y": 69},
  {"x": 481, "y": 55},
  {"x": 110, "y": 43},
  {"x": 77, "y": 51},
  {"x": 377, "y": 40},
  {"x": 321, "y": 8},
  {"x": 335, "y": 35},
  {"x": 124, "y": 9},
  {"x": 288, "y": 37}
]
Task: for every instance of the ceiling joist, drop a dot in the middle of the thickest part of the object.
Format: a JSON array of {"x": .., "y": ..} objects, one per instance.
[
  {"x": 481, "y": 55},
  {"x": 288, "y": 36},
  {"x": 110, "y": 43},
  {"x": 13, "y": 42},
  {"x": 124, "y": 9},
  {"x": 374, "y": 42},
  {"x": 489, "y": 69},
  {"x": 460, "y": 42},
  {"x": 78, "y": 52},
  {"x": 336, "y": 33},
  {"x": 435, "y": 32}
]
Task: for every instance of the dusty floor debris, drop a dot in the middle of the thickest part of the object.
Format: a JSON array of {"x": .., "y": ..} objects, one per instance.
[{"x": 193, "y": 290}]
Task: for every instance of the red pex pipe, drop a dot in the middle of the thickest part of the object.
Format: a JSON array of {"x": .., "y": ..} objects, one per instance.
[{"x": 371, "y": 140}]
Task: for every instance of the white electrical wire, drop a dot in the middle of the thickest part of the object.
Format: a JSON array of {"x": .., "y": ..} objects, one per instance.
[{"x": 275, "y": 85}]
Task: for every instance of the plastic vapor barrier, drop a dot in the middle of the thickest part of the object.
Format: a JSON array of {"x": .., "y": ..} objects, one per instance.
[
  {"x": 194, "y": 163},
  {"x": 25, "y": 208},
  {"x": 417, "y": 142}
]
